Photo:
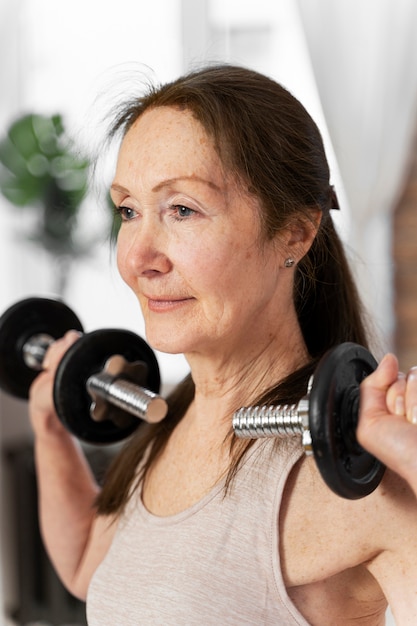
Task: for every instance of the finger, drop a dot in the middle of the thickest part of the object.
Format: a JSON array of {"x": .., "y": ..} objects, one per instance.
[
  {"x": 57, "y": 349},
  {"x": 411, "y": 396},
  {"x": 375, "y": 387},
  {"x": 396, "y": 395}
]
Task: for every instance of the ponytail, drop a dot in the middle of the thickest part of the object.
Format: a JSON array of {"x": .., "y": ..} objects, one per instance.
[{"x": 326, "y": 298}]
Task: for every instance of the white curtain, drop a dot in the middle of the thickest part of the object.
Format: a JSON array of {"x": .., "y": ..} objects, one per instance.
[{"x": 364, "y": 56}]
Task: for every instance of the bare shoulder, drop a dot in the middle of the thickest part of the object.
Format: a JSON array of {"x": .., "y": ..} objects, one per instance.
[
  {"x": 324, "y": 536},
  {"x": 335, "y": 533}
]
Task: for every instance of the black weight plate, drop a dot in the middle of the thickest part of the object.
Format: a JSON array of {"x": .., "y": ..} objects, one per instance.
[
  {"x": 19, "y": 323},
  {"x": 348, "y": 469},
  {"x": 86, "y": 357}
]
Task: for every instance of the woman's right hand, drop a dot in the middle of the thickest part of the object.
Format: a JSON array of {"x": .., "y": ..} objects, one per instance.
[{"x": 42, "y": 412}]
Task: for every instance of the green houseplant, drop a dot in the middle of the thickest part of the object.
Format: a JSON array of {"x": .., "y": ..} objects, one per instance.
[{"x": 40, "y": 169}]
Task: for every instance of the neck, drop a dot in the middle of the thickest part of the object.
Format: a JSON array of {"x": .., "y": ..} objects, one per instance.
[{"x": 224, "y": 384}]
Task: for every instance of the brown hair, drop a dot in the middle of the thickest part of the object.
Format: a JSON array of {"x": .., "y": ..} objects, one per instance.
[{"x": 269, "y": 142}]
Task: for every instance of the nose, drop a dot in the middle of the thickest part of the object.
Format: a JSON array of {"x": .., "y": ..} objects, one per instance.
[{"x": 142, "y": 249}]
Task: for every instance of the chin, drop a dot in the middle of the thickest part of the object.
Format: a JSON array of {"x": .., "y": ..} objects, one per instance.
[
  {"x": 175, "y": 336},
  {"x": 165, "y": 343}
]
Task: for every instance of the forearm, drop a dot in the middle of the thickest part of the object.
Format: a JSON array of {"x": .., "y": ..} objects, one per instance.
[{"x": 67, "y": 491}]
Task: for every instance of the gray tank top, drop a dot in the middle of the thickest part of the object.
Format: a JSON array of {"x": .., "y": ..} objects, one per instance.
[{"x": 216, "y": 563}]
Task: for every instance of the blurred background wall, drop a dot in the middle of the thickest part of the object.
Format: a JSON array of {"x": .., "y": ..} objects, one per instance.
[{"x": 352, "y": 64}]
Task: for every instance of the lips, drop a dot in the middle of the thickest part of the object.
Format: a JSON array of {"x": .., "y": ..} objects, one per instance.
[{"x": 166, "y": 303}]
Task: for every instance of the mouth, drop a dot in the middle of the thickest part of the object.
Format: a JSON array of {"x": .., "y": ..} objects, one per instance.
[{"x": 163, "y": 304}]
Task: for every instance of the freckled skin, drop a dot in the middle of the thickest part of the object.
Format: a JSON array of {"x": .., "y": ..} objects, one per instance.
[{"x": 213, "y": 259}]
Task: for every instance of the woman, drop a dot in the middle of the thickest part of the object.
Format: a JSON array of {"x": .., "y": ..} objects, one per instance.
[{"x": 227, "y": 241}]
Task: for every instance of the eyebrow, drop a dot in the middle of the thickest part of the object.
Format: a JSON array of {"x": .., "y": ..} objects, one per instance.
[{"x": 170, "y": 181}]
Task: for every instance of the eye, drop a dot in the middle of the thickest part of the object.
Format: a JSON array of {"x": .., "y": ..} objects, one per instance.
[
  {"x": 181, "y": 211},
  {"x": 125, "y": 213}
]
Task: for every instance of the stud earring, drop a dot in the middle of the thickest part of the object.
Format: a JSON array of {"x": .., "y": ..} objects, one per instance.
[{"x": 289, "y": 262}]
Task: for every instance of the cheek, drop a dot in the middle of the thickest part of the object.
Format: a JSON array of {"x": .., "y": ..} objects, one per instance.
[
  {"x": 122, "y": 261},
  {"x": 201, "y": 273},
  {"x": 219, "y": 276}
]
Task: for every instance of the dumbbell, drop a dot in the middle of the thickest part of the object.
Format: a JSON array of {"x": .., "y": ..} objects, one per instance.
[
  {"x": 326, "y": 420},
  {"x": 106, "y": 382}
]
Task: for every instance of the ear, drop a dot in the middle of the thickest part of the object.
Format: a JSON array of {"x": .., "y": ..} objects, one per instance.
[{"x": 301, "y": 233}]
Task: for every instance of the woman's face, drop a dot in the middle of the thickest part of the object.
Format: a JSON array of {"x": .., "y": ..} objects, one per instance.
[{"x": 189, "y": 245}]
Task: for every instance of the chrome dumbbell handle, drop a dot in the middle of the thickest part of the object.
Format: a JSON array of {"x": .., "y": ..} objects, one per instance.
[
  {"x": 275, "y": 421},
  {"x": 34, "y": 350},
  {"x": 127, "y": 396}
]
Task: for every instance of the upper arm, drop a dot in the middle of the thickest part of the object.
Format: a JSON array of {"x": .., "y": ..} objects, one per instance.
[
  {"x": 322, "y": 534},
  {"x": 395, "y": 566},
  {"x": 99, "y": 541}
]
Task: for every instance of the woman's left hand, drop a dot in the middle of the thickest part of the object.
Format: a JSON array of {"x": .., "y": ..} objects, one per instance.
[{"x": 388, "y": 418}]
